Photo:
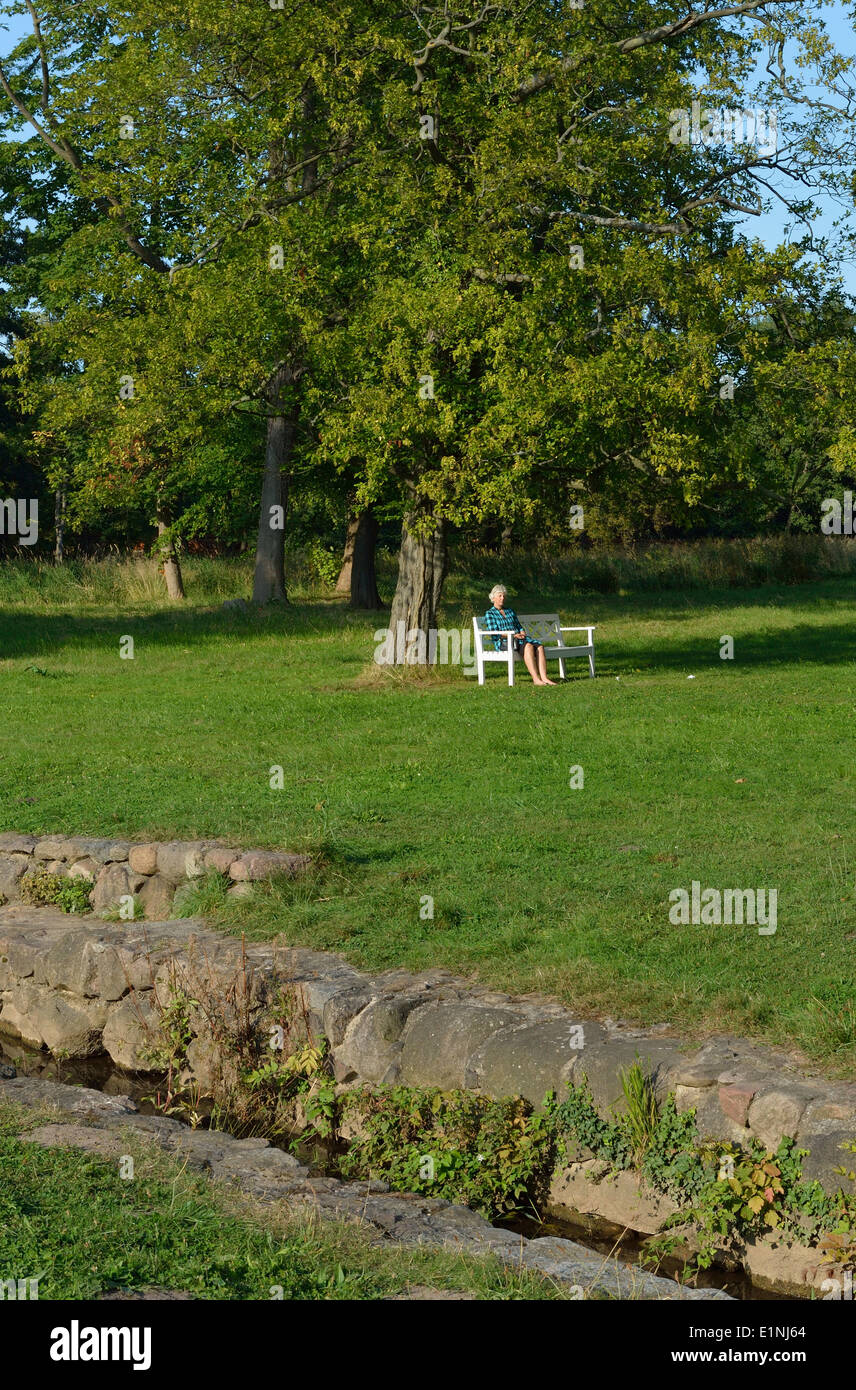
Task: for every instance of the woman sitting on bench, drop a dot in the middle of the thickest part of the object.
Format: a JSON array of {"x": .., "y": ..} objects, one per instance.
[{"x": 502, "y": 619}]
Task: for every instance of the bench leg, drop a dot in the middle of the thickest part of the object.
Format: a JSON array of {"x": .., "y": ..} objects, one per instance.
[
  {"x": 591, "y": 661},
  {"x": 562, "y": 667}
]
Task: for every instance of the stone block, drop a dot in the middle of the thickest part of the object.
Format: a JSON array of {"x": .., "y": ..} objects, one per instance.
[
  {"x": 735, "y": 1100},
  {"x": 775, "y": 1114},
  {"x": 156, "y": 895},
  {"x": 131, "y": 1030},
  {"x": 85, "y": 868},
  {"x": 220, "y": 859},
  {"x": 115, "y": 881},
  {"x": 601, "y": 1063},
  {"x": 371, "y": 1045},
  {"x": 531, "y": 1060},
  {"x": 340, "y": 1008},
  {"x": 440, "y": 1038},
  {"x": 181, "y": 859},
  {"x": 10, "y": 843},
  {"x": 12, "y": 869},
  {"x": 826, "y": 1154},
  {"x": 48, "y": 849},
  {"x": 61, "y": 1022},
  {"x": 143, "y": 859}
]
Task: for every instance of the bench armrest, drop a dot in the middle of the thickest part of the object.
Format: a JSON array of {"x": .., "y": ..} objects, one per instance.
[
  {"x": 495, "y": 632},
  {"x": 585, "y": 627}
]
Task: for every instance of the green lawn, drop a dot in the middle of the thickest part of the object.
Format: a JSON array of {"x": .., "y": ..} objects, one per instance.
[
  {"x": 71, "y": 1219},
  {"x": 740, "y": 778}
]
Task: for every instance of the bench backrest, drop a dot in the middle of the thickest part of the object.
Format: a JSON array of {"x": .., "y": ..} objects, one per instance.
[{"x": 544, "y": 627}]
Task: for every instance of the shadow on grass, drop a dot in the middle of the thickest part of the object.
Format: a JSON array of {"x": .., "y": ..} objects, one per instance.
[{"x": 44, "y": 636}]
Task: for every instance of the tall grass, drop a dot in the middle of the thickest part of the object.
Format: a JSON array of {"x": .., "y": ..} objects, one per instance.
[
  {"x": 698, "y": 564},
  {"x": 136, "y": 580},
  {"x": 674, "y": 565}
]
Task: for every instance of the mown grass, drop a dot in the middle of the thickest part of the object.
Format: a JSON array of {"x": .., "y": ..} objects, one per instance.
[
  {"x": 429, "y": 787},
  {"x": 70, "y": 1218}
]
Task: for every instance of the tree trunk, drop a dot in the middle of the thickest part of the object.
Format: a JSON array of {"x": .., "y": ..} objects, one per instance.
[
  {"x": 357, "y": 576},
  {"x": 421, "y": 572},
  {"x": 169, "y": 560},
  {"x": 59, "y": 523},
  {"x": 343, "y": 583},
  {"x": 269, "y": 577}
]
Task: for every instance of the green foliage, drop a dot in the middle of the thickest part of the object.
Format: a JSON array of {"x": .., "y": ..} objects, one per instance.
[
  {"x": 201, "y": 896},
  {"x": 642, "y": 1109},
  {"x": 41, "y": 888},
  {"x": 493, "y": 1155},
  {"x": 725, "y": 1192}
]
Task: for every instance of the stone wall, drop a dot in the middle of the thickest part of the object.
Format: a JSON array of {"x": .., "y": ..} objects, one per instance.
[
  {"x": 152, "y": 872},
  {"x": 85, "y": 988}
]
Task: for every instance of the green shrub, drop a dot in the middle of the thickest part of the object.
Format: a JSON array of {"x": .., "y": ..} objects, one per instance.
[
  {"x": 493, "y": 1155},
  {"x": 42, "y": 888}
]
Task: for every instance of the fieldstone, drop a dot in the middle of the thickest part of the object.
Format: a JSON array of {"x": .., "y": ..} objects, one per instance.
[
  {"x": 706, "y": 1066},
  {"x": 11, "y": 843},
  {"x": 220, "y": 859},
  {"x": 778, "y": 1267},
  {"x": 17, "y": 1013},
  {"x": 826, "y": 1153},
  {"x": 602, "y": 1064},
  {"x": 115, "y": 881},
  {"x": 371, "y": 1044},
  {"x": 530, "y": 1061},
  {"x": 341, "y": 1008},
  {"x": 21, "y": 955},
  {"x": 440, "y": 1038},
  {"x": 60, "y": 1022},
  {"x": 72, "y": 963},
  {"x": 48, "y": 849},
  {"x": 776, "y": 1114},
  {"x": 257, "y": 864},
  {"x": 829, "y": 1107},
  {"x": 12, "y": 869},
  {"x": 711, "y": 1123},
  {"x": 121, "y": 970},
  {"x": 575, "y": 1188},
  {"x": 75, "y": 847},
  {"x": 131, "y": 1031},
  {"x": 87, "y": 868},
  {"x": 143, "y": 859},
  {"x": 106, "y": 851},
  {"x": 156, "y": 895},
  {"x": 735, "y": 1100},
  {"x": 240, "y": 890},
  {"x": 313, "y": 995},
  {"x": 181, "y": 859},
  {"x": 58, "y": 867}
]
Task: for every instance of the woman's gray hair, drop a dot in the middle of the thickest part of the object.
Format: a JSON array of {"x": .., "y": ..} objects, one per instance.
[{"x": 497, "y": 589}]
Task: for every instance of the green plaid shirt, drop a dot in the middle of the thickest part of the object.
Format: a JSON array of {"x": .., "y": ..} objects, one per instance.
[{"x": 494, "y": 620}]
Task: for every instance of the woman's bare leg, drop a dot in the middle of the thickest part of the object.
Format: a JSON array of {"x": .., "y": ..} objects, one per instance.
[
  {"x": 531, "y": 663},
  {"x": 542, "y": 666}
]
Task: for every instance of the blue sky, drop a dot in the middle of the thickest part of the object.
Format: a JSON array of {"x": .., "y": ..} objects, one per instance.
[{"x": 770, "y": 227}]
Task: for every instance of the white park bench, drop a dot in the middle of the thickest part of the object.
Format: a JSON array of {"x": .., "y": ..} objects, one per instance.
[{"x": 545, "y": 628}]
